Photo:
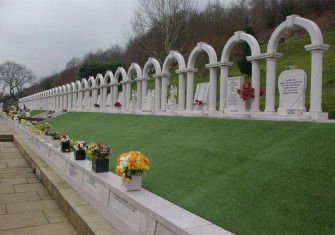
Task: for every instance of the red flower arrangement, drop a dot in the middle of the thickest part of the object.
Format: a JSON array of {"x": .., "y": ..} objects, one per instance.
[
  {"x": 199, "y": 102},
  {"x": 117, "y": 104},
  {"x": 248, "y": 92}
]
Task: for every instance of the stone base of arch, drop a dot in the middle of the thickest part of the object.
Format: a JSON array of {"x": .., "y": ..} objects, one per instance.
[{"x": 317, "y": 115}]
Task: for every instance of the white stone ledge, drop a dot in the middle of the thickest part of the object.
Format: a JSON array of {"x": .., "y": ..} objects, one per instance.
[{"x": 137, "y": 212}]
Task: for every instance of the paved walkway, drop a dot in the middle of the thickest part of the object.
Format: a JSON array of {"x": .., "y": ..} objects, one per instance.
[{"x": 25, "y": 205}]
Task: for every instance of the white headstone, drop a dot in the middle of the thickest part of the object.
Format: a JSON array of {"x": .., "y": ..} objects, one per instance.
[
  {"x": 120, "y": 98},
  {"x": 234, "y": 103},
  {"x": 133, "y": 102},
  {"x": 201, "y": 93},
  {"x": 149, "y": 101},
  {"x": 172, "y": 102},
  {"x": 292, "y": 89},
  {"x": 99, "y": 100}
]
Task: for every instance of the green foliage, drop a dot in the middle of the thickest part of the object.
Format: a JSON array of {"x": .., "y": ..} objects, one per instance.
[
  {"x": 277, "y": 176},
  {"x": 243, "y": 64},
  {"x": 92, "y": 68}
]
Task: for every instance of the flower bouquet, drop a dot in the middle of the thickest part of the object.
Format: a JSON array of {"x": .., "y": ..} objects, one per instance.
[
  {"x": 55, "y": 136},
  {"x": 100, "y": 153},
  {"x": 65, "y": 143},
  {"x": 79, "y": 148},
  {"x": 117, "y": 104},
  {"x": 248, "y": 92},
  {"x": 131, "y": 166},
  {"x": 197, "y": 104}
]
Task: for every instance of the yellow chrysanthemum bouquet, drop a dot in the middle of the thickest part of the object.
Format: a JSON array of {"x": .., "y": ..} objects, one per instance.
[{"x": 130, "y": 164}]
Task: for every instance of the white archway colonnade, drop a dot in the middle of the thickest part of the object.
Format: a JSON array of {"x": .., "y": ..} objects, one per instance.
[{"x": 101, "y": 93}]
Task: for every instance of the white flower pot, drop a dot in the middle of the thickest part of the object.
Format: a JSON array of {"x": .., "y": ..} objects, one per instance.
[{"x": 135, "y": 184}]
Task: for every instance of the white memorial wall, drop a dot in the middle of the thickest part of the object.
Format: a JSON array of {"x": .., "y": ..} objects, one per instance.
[{"x": 81, "y": 96}]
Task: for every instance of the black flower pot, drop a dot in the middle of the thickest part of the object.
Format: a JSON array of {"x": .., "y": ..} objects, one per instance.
[
  {"x": 80, "y": 155},
  {"x": 66, "y": 147},
  {"x": 100, "y": 165}
]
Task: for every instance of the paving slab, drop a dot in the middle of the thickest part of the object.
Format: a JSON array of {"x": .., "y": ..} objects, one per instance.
[
  {"x": 50, "y": 229},
  {"x": 19, "y": 197},
  {"x": 23, "y": 219},
  {"x": 31, "y": 206}
]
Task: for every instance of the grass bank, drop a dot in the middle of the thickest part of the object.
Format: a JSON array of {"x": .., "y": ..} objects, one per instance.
[{"x": 249, "y": 177}]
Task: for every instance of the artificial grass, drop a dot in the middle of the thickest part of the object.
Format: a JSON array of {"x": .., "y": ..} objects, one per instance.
[
  {"x": 249, "y": 177},
  {"x": 36, "y": 112}
]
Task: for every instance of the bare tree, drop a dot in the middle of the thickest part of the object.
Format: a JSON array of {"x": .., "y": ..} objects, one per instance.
[
  {"x": 163, "y": 20},
  {"x": 15, "y": 77},
  {"x": 73, "y": 63}
]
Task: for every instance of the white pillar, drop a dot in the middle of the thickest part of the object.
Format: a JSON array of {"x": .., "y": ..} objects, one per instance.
[
  {"x": 181, "y": 90},
  {"x": 212, "y": 88},
  {"x": 189, "y": 91},
  {"x": 139, "y": 94},
  {"x": 69, "y": 98},
  {"x": 316, "y": 81},
  {"x": 255, "y": 82},
  {"x": 157, "y": 92},
  {"x": 128, "y": 94},
  {"x": 270, "y": 85},
  {"x": 123, "y": 95},
  {"x": 144, "y": 89},
  {"x": 104, "y": 98},
  {"x": 223, "y": 85},
  {"x": 80, "y": 101},
  {"x": 115, "y": 95},
  {"x": 164, "y": 92},
  {"x": 74, "y": 100}
]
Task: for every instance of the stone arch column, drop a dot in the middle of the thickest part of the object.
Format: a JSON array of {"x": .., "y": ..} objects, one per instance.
[
  {"x": 225, "y": 64},
  {"x": 134, "y": 67},
  {"x": 157, "y": 67},
  {"x": 202, "y": 47},
  {"x": 317, "y": 48},
  {"x": 174, "y": 55}
]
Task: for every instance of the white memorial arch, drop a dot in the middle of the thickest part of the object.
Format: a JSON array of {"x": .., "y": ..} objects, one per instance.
[{"x": 104, "y": 90}]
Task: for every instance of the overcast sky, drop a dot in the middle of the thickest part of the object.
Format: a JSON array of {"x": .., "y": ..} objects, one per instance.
[{"x": 45, "y": 34}]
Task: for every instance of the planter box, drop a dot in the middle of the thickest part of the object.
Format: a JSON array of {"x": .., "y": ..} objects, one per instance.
[
  {"x": 80, "y": 155},
  {"x": 65, "y": 147},
  {"x": 100, "y": 164},
  {"x": 135, "y": 184}
]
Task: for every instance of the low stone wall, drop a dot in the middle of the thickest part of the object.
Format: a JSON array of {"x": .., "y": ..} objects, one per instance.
[{"x": 138, "y": 212}]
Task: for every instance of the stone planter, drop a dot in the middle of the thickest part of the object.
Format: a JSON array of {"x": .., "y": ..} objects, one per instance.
[
  {"x": 100, "y": 164},
  {"x": 55, "y": 143},
  {"x": 80, "y": 155},
  {"x": 47, "y": 138},
  {"x": 135, "y": 184},
  {"x": 65, "y": 147}
]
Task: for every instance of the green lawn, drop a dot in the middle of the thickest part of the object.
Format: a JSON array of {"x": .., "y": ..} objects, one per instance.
[
  {"x": 249, "y": 177},
  {"x": 36, "y": 112}
]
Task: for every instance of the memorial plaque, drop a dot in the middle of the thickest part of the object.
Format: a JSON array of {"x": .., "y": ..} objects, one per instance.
[
  {"x": 201, "y": 93},
  {"x": 96, "y": 189},
  {"x": 60, "y": 162},
  {"x": 75, "y": 173},
  {"x": 292, "y": 89},
  {"x": 132, "y": 216},
  {"x": 234, "y": 103}
]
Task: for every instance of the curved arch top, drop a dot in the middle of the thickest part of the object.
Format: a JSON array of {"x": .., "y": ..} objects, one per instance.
[
  {"x": 237, "y": 37},
  {"x": 174, "y": 55},
  {"x": 134, "y": 67},
  {"x": 83, "y": 84},
  {"x": 152, "y": 61},
  {"x": 120, "y": 72},
  {"x": 201, "y": 46},
  {"x": 291, "y": 21},
  {"x": 101, "y": 79},
  {"x": 90, "y": 82},
  {"x": 109, "y": 75}
]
